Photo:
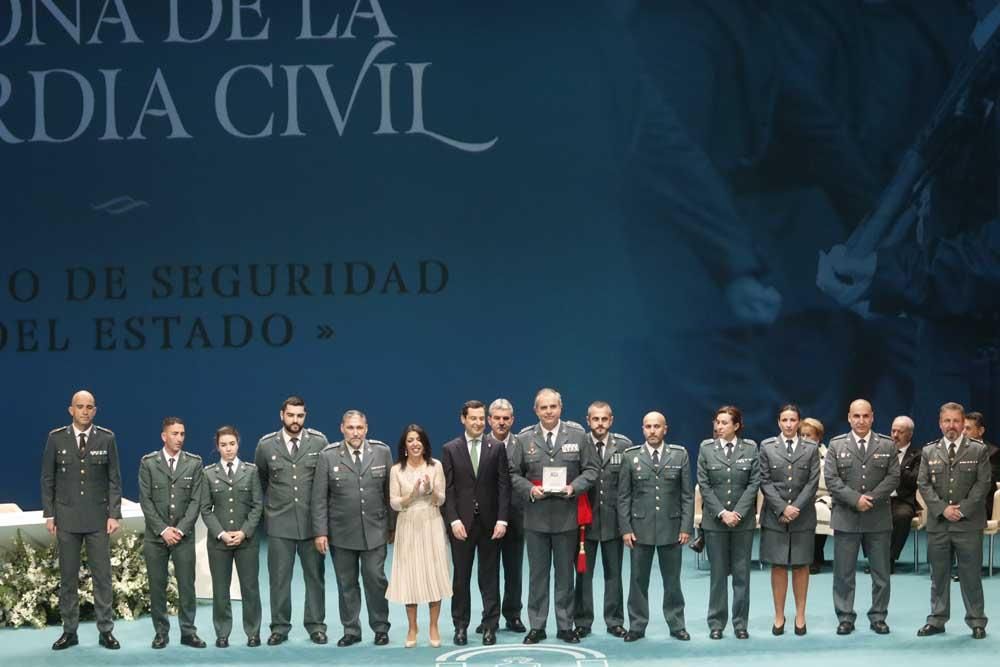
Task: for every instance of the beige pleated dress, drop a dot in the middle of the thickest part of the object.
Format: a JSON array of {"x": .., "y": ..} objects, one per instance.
[{"x": 420, "y": 560}]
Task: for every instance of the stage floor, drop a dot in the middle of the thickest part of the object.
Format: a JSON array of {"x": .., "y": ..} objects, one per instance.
[{"x": 820, "y": 647}]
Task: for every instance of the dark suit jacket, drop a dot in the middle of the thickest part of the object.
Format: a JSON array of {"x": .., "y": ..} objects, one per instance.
[
  {"x": 465, "y": 491},
  {"x": 906, "y": 491}
]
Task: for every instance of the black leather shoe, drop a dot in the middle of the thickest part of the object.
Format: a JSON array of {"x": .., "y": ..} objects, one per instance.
[
  {"x": 845, "y": 628},
  {"x": 800, "y": 632},
  {"x": 347, "y": 640},
  {"x": 617, "y": 631},
  {"x": 715, "y": 634},
  {"x": 318, "y": 637},
  {"x": 194, "y": 641},
  {"x": 489, "y": 637},
  {"x": 697, "y": 545},
  {"x": 253, "y": 640},
  {"x": 979, "y": 633},
  {"x": 681, "y": 634},
  {"x": 929, "y": 630},
  {"x": 778, "y": 630},
  {"x": 276, "y": 638},
  {"x": 534, "y": 636},
  {"x": 954, "y": 577},
  {"x": 221, "y": 642},
  {"x": 568, "y": 636},
  {"x": 582, "y": 632},
  {"x": 632, "y": 636},
  {"x": 65, "y": 640},
  {"x": 742, "y": 634},
  {"x": 107, "y": 640},
  {"x": 480, "y": 628},
  {"x": 515, "y": 625},
  {"x": 867, "y": 569},
  {"x": 160, "y": 641},
  {"x": 461, "y": 637},
  {"x": 381, "y": 638},
  {"x": 880, "y": 627}
]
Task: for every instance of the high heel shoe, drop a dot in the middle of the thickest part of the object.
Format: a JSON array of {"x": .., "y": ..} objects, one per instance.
[
  {"x": 435, "y": 642},
  {"x": 800, "y": 631},
  {"x": 778, "y": 630},
  {"x": 410, "y": 643}
]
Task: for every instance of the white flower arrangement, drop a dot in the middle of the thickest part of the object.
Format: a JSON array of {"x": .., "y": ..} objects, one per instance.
[{"x": 29, "y": 583}]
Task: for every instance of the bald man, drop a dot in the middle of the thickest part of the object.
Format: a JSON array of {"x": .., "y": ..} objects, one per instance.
[
  {"x": 655, "y": 516},
  {"x": 81, "y": 502},
  {"x": 861, "y": 471}
]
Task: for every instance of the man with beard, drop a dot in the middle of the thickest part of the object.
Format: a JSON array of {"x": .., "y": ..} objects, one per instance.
[{"x": 286, "y": 461}]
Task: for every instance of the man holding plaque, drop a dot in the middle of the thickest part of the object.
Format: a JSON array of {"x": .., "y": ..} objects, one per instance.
[{"x": 551, "y": 463}]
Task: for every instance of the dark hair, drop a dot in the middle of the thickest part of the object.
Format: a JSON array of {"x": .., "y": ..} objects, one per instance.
[
  {"x": 226, "y": 430},
  {"x": 790, "y": 407},
  {"x": 424, "y": 438},
  {"x": 733, "y": 412},
  {"x": 472, "y": 405},
  {"x": 170, "y": 421},
  {"x": 293, "y": 400},
  {"x": 976, "y": 417}
]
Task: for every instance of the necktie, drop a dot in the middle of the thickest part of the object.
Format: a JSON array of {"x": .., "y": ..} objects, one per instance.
[
  {"x": 788, "y": 446},
  {"x": 600, "y": 450},
  {"x": 83, "y": 444},
  {"x": 951, "y": 454},
  {"x": 357, "y": 456},
  {"x": 548, "y": 441},
  {"x": 475, "y": 456},
  {"x": 229, "y": 473},
  {"x": 729, "y": 451},
  {"x": 170, "y": 464},
  {"x": 656, "y": 457},
  {"x": 295, "y": 446},
  {"x": 861, "y": 446}
]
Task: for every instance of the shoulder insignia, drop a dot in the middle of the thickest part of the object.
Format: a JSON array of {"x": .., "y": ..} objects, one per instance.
[
  {"x": 213, "y": 466},
  {"x": 151, "y": 455},
  {"x": 706, "y": 441},
  {"x": 677, "y": 447},
  {"x": 378, "y": 442},
  {"x": 749, "y": 441},
  {"x": 315, "y": 432},
  {"x": 931, "y": 443},
  {"x": 249, "y": 464},
  {"x": 768, "y": 441},
  {"x": 809, "y": 441},
  {"x": 272, "y": 434},
  {"x": 58, "y": 428},
  {"x": 842, "y": 436},
  {"x": 331, "y": 445},
  {"x": 622, "y": 438},
  {"x": 106, "y": 430},
  {"x": 976, "y": 440},
  {"x": 633, "y": 448},
  {"x": 573, "y": 424},
  {"x": 190, "y": 455},
  {"x": 526, "y": 429}
]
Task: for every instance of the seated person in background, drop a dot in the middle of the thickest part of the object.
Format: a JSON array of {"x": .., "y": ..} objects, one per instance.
[{"x": 812, "y": 429}]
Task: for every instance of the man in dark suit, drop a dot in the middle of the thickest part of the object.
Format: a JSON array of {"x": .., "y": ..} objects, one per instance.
[
  {"x": 476, "y": 505},
  {"x": 903, "y": 500},
  {"x": 82, "y": 458},
  {"x": 975, "y": 428}
]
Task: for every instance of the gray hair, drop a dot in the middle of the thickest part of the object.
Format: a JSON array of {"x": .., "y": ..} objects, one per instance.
[
  {"x": 353, "y": 413},
  {"x": 547, "y": 390},
  {"x": 500, "y": 404},
  {"x": 907, "y": 422}
]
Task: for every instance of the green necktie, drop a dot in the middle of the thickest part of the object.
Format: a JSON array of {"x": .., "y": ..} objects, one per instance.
[{"x": 475, "y": 456}]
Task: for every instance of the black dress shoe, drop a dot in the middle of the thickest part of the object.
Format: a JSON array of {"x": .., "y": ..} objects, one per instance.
[
  {"x": 716, "y": 633},
  {"x": 381, "y": 638},
  {"x": 461, "y": 637},
  {"x": 489, "y": 637},
  {"x": 194, "y": 641},
  {"x": 617, "y": 631},
  {"x": 318, "y": 637},
  {"x": 276, "y": 638},
  {"x": 253, "y": 640},
  {"x": 480, "y": 628},
  {"x": 867, "y": 569},
  {"x": 845, "y": 628},
  {"x": 929, "y": 630},
  {"x": 979, "y": 633},
  {"x": 778, "y": 630},
  {"x": 633, "y": 635},
  {"x": 65, "y": 640},
  {"x": 880, "y": 627},
  {"x": 221, "y": 642},
  {"x": 568, "y": 636},
  {"x": 814, "y": 568},
  {"x": 107, "y": 640},
  {"x": 534, "y": 636},
  {"x": 681, "y": 634},
  {"x": 800, "y": 632},
  {"x": 954, "y": 577},
  {"x": 582, "y": 632},
  {"x": 697, "y": 545},
  {"x": 515, "y": 625},
  {"x": 347, "y": 640},
  {"x": 160, "y": 641},
  {"x": 742, "y": 634}
]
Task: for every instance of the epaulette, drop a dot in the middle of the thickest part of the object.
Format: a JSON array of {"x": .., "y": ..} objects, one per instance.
[
  {"x": 932, "y": 442},
  {"x": 812, "y": 442},
  {"x": 706, "y": 441},
  {"x": 214, "y": 465},
  {"x": 680, "y": 447},
  {"x": 619, "y": 436},
  {"x": 977, "y": 440},
  {"x": 189, "y": 454},
  {"x": 842, "y": 436},
  {"x": 249, "y": 464},
  {"x": 268, "y": 435},
  {"x": 332, "y": 445},
  {"x": 526, "y": 429},
  {"x": 768, "y": 441},
  {"x": 573, "y": 424},
  {"x": 315, "y": 432},
  {"x": 633, "y": 448},
  {"x": 151, "y": 455},
  {"x": 106, "y": 430},
  {"x": 883, "y": 436},
  {"x": 378, "y": 442},
  {"x": 749, "y": 441},
  {"x": 57, "y": 429}
]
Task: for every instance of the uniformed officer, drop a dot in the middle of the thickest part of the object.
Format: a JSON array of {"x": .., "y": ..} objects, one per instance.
[
  {"x": 170, "y": 493},
  {"x": 231, "y": 510},
  {"x": 501, "y": 418},
  {"x": 286, "y": 461},
  {"x": 953, "y": 480},
  {"x": 81, "y": 502},
  {"x": 603, "y": 531},
  {"x": 655, "y": 514},
  {"x": 351, "y": 516},
  {"x": 561, "y": 449},
  {"x": 728, "y": 477},
  {"x": 861, "y": 472}
]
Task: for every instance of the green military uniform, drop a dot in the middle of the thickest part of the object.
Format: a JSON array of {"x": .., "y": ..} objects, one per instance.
[
  {"x": 656, "y": 504},
  {"x": 728, "y": 482},
  {"x": 170, "y": 499},
  {"x": 550, "y": 523},
  {"x": 350, "y": 503},
  {"x": 233, "y": 502},
  {"x": 963, "y": 480},
  {"x": 81, "y": 490},
  {"x": 286, "y": 480},
  {"x": 603, "y": 533}
]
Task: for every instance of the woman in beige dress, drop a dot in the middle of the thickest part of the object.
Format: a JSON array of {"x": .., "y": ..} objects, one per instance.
[{"x": 420, "y": 554}]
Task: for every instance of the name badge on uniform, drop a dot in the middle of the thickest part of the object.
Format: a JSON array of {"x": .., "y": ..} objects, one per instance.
[
  {"x": 882, "y": 456},
  {"x": 99, "y": 452},
  {"x": 616, "y": 459},
  {"x": 381, "y": 467},
  {"x": 570, "y": 448},
  {"x": 312, "y": 454},
  {"x": 189, "y": 477}
]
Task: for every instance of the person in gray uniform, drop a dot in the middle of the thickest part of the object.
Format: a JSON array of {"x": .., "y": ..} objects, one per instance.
[
  {"x": 789, "y": 477},
  {"x": 728, "y": 478},
  {"x": 861, "y": 472},
  {"x": 82, "y": 503},
  {"x": 954, "y": 479},
  {"x": 286, "y": 462},
  {"x": 171, "y": 485},
  {"x": 655, "y": 516},
  {"x": 351, "y": 517},
  {"x": 602, "y": 534},
  {"x": 561, "y": 449},
  {"x": 232, "y": 506},
  {"x": 501, "y": 418}
]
